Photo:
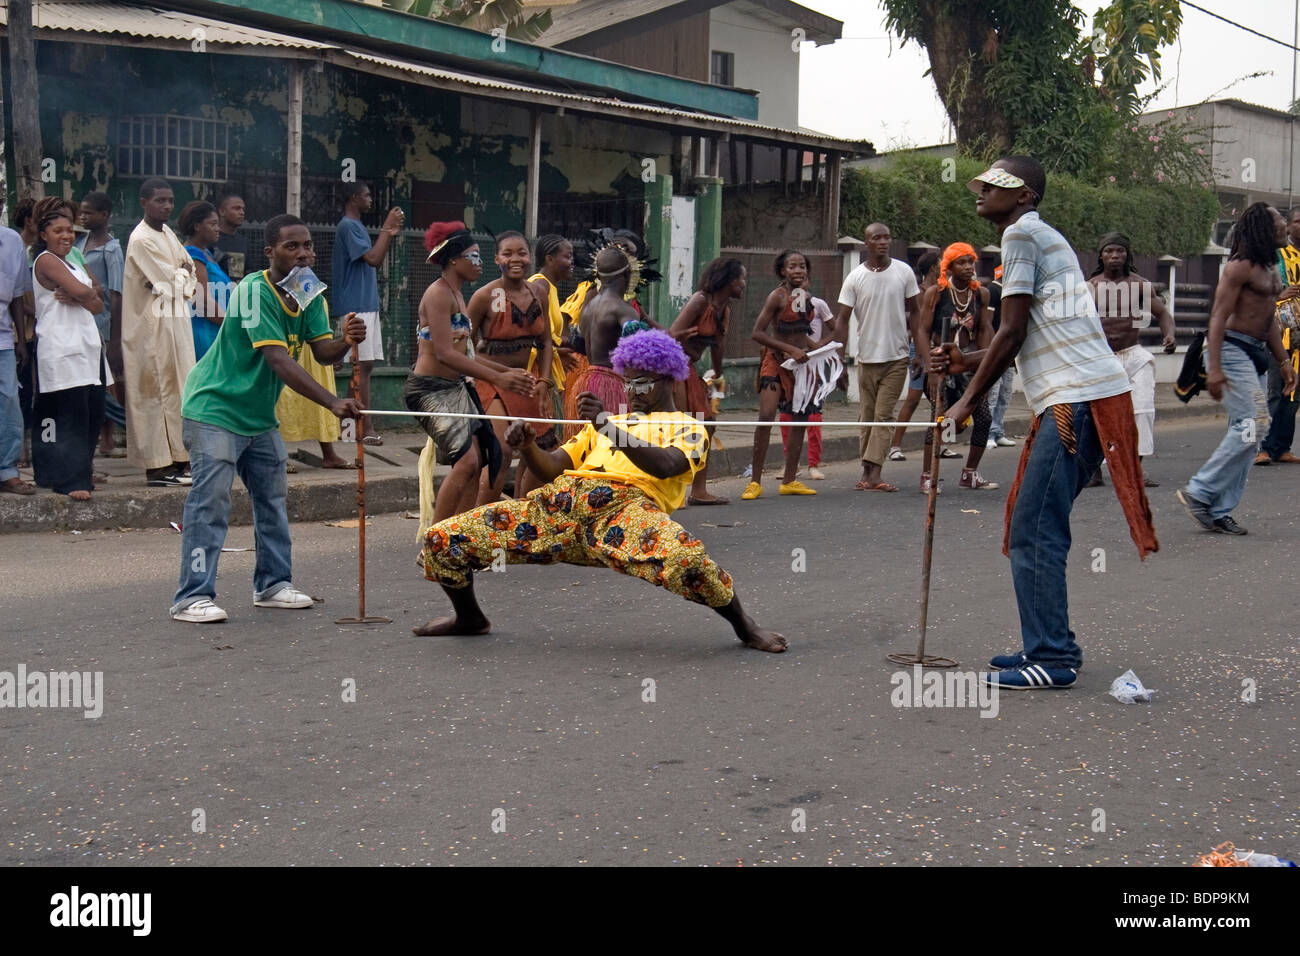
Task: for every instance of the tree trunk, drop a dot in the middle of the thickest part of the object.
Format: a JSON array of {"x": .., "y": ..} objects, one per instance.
[
  {"x": 26, "y": 104},
  {"x": 963, "y": 45}
]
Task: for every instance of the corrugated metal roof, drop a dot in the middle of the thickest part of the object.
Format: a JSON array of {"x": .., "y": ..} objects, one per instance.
[
  {"x": 604, "y": 105},
  {"x": 588, "y": 16},
  {"x": 158, "y": 24},
  {"x": 153, "y": 23}
]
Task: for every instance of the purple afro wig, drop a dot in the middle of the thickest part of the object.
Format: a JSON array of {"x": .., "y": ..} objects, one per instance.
[{"x": 652, "y": 351}]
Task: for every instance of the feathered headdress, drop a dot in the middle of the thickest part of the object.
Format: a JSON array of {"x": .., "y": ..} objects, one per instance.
[
  {"x": 446, "y": 240},
  {"x": 642, "y": 269}
]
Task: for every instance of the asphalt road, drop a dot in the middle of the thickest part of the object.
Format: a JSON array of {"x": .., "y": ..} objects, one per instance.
[{"x": 542, "y": 727}]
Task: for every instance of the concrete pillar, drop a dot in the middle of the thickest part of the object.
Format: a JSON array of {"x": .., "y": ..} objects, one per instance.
[
  {"x": 708, "y": 221},
  {"x": 534, "y": 174},
  {"x": 658, "y": 239},
  {"x": 293, "y": 186},
  {"x": 831, "y": 228}
]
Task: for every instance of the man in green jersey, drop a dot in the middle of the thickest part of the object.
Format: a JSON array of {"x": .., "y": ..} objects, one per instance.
[{"x": 229, "y": 426}]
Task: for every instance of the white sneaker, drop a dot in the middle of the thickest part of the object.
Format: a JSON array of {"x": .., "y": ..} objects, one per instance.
[
  {"x": 990, "y": 444},
  {"x": 1005, "y": 442},
  {"x": 201, "y": 612},
  {"x": 816, "y": 474},
  {"x": 287, "y": 597},
  {"x": 896, "y": 454}
]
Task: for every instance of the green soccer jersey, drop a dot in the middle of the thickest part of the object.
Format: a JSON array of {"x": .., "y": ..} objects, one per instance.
[{"x": 233, "y": 386}]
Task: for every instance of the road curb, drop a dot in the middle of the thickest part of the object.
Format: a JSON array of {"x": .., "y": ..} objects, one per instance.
[
  {"x": 840, "y": 445},
  {"x": 156, "y": 507},
  {"x": 330, "y": 499}
]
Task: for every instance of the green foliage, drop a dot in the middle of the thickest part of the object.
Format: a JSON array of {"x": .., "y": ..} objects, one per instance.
[
  {"x": 483, "y": 15},
  {"x": 913, "y": 199},
  {"x": 1126, "y": 40},
  {"x": 1020, "y": 76},
  {"x": 1153, "y": 152}
]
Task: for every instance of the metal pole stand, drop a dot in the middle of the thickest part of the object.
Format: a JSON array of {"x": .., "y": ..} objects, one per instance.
[
  {"x": 921, "y": 657},
  {"x": 361, "y": 617}
]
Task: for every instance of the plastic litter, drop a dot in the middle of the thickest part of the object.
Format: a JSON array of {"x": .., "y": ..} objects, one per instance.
[
  {"x": 1127, "y": 689},
  {"x": 1225, "y": 854}
]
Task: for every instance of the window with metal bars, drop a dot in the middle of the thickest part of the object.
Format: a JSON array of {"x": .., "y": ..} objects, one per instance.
[{"x": 173, "y": 147}]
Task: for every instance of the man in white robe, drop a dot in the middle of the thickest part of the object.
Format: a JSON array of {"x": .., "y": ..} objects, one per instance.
[{"x": 157, "y": 339}]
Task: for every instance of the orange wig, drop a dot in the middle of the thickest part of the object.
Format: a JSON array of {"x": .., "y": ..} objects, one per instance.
[{"x": 954, "y": 252}]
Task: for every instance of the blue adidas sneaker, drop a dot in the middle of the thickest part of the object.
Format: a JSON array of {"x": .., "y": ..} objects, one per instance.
[
  {"x": 1000, "y": 661},
  {"x": 1032, "y": 677}
]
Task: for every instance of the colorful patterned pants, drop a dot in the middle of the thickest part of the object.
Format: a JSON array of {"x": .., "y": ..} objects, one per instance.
[{"x": 583, "y": 521}]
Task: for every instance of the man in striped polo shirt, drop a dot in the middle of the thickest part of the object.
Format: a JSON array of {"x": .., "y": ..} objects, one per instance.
[{"x": 1079, "y": 395}]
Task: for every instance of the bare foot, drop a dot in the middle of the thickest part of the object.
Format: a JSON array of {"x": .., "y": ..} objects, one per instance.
[
  {"x": 764, "y": 640},
  {"x": 442, "y": 626},
  {"x": 79, "y": 495},
  {"x": 334, "y": 461}
]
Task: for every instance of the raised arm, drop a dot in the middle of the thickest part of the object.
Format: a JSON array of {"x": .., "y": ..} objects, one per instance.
[
  {"x": 374, "y": 256},
  {"x": 329, "y": 351}
]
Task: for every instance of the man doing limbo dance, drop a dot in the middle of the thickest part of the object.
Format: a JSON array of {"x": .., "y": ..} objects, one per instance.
[{"x": 607, "y": 502}]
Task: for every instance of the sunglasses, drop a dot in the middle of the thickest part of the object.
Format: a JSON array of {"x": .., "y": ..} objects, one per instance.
[{"x": 641, "y": 386}]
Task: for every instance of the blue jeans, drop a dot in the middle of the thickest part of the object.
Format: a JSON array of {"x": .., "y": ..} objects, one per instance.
[
  {"x": 1040, "y": 536},
  {"x": 216, "y": 456},
  {"x": 1281, "y": 412},
  {"x": 999, "y": 398},
  {"x": 1222, "y": 480},
  {"x": 11, "y": 416}
]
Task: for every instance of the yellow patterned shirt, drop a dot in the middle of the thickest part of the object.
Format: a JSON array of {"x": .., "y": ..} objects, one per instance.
[
  {"x": 1288, "y": 260},
  {"x": 594, "y": 455}
]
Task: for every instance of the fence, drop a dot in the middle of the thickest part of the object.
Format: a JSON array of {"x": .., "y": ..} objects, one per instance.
[{"x": 825, "y": 267}]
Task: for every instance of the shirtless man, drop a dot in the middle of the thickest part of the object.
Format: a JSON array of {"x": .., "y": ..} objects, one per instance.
[
  {"x": 1126, "y": 302},
  {"x": 440, "y": 380},
  {"x": 1243, "y": 320}
]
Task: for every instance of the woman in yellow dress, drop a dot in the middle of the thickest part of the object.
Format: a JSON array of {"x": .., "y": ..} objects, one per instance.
[{"x": 301, "y": 419}]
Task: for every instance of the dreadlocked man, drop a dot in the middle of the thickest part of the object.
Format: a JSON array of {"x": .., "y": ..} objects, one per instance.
[
  {"x": 1242, "y": 333},
  {"x": 607, "y": 503},
  {"x": 1126, "y": 302}
]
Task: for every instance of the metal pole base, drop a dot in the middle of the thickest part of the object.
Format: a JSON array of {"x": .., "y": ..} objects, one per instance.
[
  {"x": 364, "y": 620},
  {"x": 925, "y": 660}
]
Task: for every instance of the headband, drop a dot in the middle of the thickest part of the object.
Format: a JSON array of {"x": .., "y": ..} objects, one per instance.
[{"x": 954, "y": 252}]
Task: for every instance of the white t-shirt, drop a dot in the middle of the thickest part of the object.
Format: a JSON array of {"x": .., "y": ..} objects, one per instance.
[
  {"x": 70, "y": 350},
  {"x": 879, "y": 303},
  {"x": 821, "y": 314},
  {"x": 1065, "y": 358}
]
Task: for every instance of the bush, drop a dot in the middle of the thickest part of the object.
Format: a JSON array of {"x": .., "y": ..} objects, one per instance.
[{"x": 912, "y": 198}]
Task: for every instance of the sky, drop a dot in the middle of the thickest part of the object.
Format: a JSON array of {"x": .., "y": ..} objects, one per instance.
[{"x": 894, "y": 106}]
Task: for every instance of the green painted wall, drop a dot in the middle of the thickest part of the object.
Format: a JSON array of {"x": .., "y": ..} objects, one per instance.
[{"x": 398, "y": 135}]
